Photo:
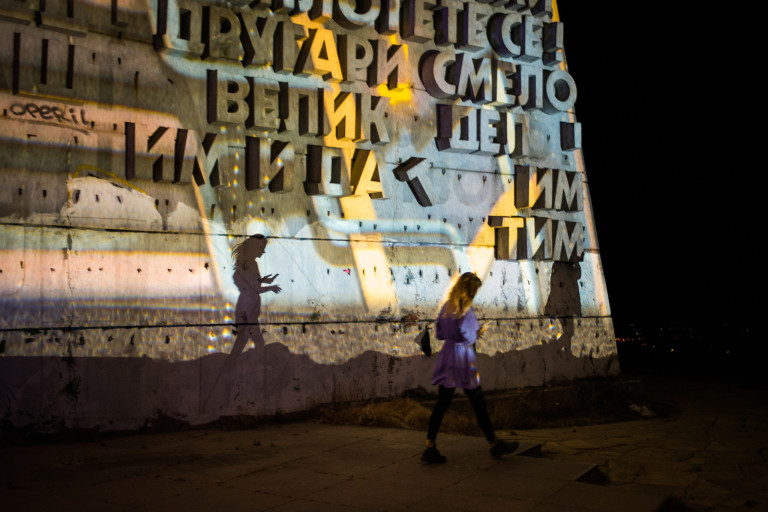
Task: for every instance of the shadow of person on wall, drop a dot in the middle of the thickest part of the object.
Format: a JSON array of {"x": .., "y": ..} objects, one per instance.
[
  {"x": 250, "y": 282},
  {"x": 564, "y": 300}
]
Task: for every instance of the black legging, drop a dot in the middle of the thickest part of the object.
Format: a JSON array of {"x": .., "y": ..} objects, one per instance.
[{"x": 444, "y": 397}]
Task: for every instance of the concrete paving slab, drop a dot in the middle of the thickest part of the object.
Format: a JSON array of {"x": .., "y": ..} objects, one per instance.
[
  {"x": 315, "y": 506},
  {"x": 542, "y": 468},
  {"x": 462, "y": 501},
  {"x": 291, "y": 480},
  {"x": 413, "y": 471},
  {"x": 504, "y": 485},
  {"x": 604, "y": 499},
  {"x": 213, "y": 498},
  {"x": 371, "y": 494}
]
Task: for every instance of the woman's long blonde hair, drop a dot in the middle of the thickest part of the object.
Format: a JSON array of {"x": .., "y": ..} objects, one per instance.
[{"x": 462, "y": 294}]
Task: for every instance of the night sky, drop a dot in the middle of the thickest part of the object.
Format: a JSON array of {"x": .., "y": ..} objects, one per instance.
[{"x": 675, "y": 194}]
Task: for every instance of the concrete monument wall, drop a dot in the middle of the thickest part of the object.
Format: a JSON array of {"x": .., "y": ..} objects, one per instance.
[{"x": 382, "y": 147}]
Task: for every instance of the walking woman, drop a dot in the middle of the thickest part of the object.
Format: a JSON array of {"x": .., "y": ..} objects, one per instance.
[{"x": 456, "y": 367}]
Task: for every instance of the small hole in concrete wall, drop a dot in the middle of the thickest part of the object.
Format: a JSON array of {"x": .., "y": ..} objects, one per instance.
[
  {"x": 45, "y": 193},
  {"x": 21, "y": 191},
  {"x": 97, "y": 198}
]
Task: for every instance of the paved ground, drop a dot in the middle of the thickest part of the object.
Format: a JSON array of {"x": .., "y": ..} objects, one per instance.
[{"x": 713, "y": 455}]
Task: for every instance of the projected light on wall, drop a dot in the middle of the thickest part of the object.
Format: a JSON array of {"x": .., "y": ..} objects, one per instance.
[{"x": 383, "y": 148}]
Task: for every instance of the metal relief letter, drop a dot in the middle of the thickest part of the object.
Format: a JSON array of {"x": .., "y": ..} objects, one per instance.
[
  {"x": 510, "y": 240},
  {"x": 301, "y": 110},
  {"x": 263, "y": 105},
  {"x": 355, "y": 57},
  {"x": 473, "y": 20},
  {"x": 319, "y": 56},
  {"x": 560, "y": 92},
  {"x": 286, "y": 49},
  {"x": 533, "y": 187},
  {"x": 500, "y": 34},
  {"x": 364, "y": 178},
  {"x": 502, "y": 87},
  {"x": 529, "y": 87},
  {"x": 388, "y": 66},
  {"x": 342, "y": 116},
  {"x": 541, "y": 8},
  {"x": 60, "y": 16},
  {"x": 489, "y": 121},
  {"x": 268, "y": 164},
  {"x": 539, "y": 238},
  {"x": 569, "y": 241},
  {"x": 371, "y": 114},
  {"x": 553, "y": 43},
  {"x": 417, "y": 23},
  {"x": 530, "y": 39},
  {"x": 389, "y": 17},
  {"x": 291, "y": 6},
  {"x": 568, "y": 191},
  {"x": 321, "y": 11},
  {"x": 447, "y": 22},
  {"x": 473, "y": 78},
  {"x": 179, "y": 30},
  {"x": 434, "y": 73},
  {"x": 457, "y": 129},
  {"x": 221, "y": 34},
  {"x": 353, "y": 14},
  {"x": 257, "y": 34},
  {"x": 227, "y": 98},
  {"x": 325, "y": 168}
]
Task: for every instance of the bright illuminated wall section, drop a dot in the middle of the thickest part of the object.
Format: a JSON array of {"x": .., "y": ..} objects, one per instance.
[{"x": 382, "y": 147}]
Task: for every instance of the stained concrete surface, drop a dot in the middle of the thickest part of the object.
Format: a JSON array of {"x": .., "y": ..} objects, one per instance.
[{"x": 710, "y": 456}]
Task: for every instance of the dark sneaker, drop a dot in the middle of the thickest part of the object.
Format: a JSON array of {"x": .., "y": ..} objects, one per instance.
[
  {"x": 501, "y": 448},
  {"x": 432, "y": 456}
]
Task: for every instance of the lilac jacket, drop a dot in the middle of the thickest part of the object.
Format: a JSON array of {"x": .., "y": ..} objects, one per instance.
[{"x": 456, "y": 365}]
